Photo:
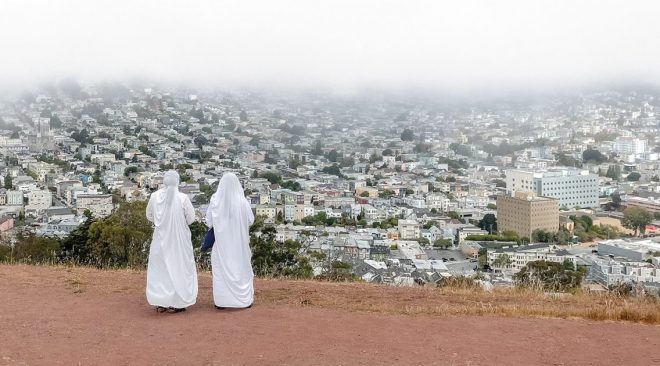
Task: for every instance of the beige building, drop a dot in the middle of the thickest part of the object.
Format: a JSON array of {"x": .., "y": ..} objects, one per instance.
[
  {"x": 100, "y": 205},
  {"x": 525, "y": 213},
  {"x": 409, "y": 229},
  {"x": 371, "y": 192}
]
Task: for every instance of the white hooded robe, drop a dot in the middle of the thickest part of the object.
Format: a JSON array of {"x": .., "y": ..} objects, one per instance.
[
  {"x": 230, "y": 215},
  {"x": 171, "y": 271}
]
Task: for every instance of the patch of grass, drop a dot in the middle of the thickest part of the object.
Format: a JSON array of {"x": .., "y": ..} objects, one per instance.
[
  {"x": 461, "y": 300},
  {"x": 76, "y": 284}
]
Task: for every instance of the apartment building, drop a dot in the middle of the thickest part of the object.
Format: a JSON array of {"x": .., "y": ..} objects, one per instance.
[
  {"x": 571, "y": 187},
  {"x": 521, "y": 255},
  {"x": 100, "y": 205},
  {"x": 524, "y": 213}
]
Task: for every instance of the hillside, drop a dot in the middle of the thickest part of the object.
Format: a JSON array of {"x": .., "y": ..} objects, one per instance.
[{"x": 64, "y": 316}]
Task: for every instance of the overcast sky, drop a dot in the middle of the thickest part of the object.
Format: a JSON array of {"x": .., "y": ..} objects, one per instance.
[{"x": 462, "y": 45}]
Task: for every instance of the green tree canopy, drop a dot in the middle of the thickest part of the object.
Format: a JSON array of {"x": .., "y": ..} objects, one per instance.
[
  {"x": 488, "y": 223},
  {"x": 593, "y": 156},
  {"x": 121, "y": 239},
  {"x": 636, "y": 218},
  {"x": 550, "y": 276},
  {"x": 407, "y": 135}
]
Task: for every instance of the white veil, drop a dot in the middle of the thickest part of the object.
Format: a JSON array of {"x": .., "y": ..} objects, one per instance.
[
  {"x": 167, "y": 205},
  {"x": 228, "y": 200}
]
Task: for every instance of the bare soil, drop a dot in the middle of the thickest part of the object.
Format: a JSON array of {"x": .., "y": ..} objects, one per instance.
[{"x": 82, "y": 316}]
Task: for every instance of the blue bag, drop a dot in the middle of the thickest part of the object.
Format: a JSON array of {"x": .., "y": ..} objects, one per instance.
[{"x": 209, "y": 240}]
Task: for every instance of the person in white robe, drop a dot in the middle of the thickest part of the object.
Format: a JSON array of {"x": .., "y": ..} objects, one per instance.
[
  {"x": 230, "y": 216},
  {"x": 171, "y": 270}
]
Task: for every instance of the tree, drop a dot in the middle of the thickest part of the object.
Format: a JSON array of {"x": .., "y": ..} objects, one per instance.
[
  {"x": 273, "y": 178},
  {"x": 453, "y": 215},
  {"x": 200, "y": 141},
  {"x": 292, "y": 185},
  {"x": 130, "y": 170},
  {"x": 8, "y": 182},
  {"x": 407, "y": 135},
  {"x": 565, "y": 160},
  {"x": 502, "y": 260},
  {"x": 542, "y": 236},
  {"x": 593, "y": 156},
  {"x": 121, "y": 239},
  {"x": 613, "y": 172},
  {"x": 388, "y": 152},
  {"x": 33, "y": 249},
  {"x": 386, "y": 194},
  {"x": 500, "y": 183},
  {"x": 550, "y": 276},
  {"x": 616, "y": 200},
  {"x": 55, "y": 122},
  {"x": 337, "y": 271},
  {"x": 633, "y": 177},
  {"x": 364, "y": 194},
  {"x": 333, "y": 155},
  {"x": 422, "y": 148},
  {"x": 636, "y": 218},
  {"x": 333, "y": 169},
  {"x": 278, "y": 259},
  {"x": 443, "y": 243},
  {"x": 491, "y": 206},
  {"x": 489, "y": 223},
  {"x": 75, "y": 248}
]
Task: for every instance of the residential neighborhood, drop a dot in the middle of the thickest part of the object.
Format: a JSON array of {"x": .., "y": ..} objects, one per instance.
[{"x": 401, "y": 192}]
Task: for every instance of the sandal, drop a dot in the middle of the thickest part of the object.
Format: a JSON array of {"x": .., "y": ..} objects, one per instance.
[
  {"x": 176, "y": 310},
  {"x": 160, "y": 309}
]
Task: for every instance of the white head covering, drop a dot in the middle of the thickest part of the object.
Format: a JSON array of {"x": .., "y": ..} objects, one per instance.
[
  {"x": 228, "y": 200},
  {"x": 167, "y": 203}
]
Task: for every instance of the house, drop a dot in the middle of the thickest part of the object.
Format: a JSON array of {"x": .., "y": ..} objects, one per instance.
[
  {"x": 6, "y": 223},
  {"x": 379, "y": 252},
  {"x": 100, "y": 205},
  {"x": 409, "y": 229},
  {"x": 39, "y": 200}
]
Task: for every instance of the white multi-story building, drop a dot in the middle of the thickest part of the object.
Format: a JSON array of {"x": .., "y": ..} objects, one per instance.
[
  {"x": 409, "y": 229},
  {"x": 437, "y": 201},
  {"x": 39, "y": 200},
  {"x": 373, "y": 214},
  {"x": 100, "y": 205},
  {"x": 416, "y": 202},
  {"x": 609, "y": 272},
  {"x": 520, "y": 256},
  {"x": 572, "y": 187},
  {"x": 629, "y": 145},
  {"x": 41, "y": 169},
  {"x": 14, "y": 198}
]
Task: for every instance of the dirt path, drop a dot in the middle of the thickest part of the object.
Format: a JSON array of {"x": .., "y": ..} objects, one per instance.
[{"x": 59, "y": 316}]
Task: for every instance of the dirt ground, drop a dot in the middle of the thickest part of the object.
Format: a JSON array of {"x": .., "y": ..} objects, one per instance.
[
  {"x": 614, "y": 222},
  {"x": 64, "y": 316}
]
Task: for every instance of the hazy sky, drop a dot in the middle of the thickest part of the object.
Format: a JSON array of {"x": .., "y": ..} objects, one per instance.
[{"x": 464, "y": 45}]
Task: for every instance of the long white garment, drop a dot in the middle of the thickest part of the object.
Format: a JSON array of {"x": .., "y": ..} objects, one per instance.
[
  {"x": 230, "y": 215},
  {"x": 171, "y": 272}
]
